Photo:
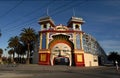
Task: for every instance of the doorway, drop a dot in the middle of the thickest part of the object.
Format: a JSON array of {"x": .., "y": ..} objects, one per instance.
[{"x": 61, "y": 61}]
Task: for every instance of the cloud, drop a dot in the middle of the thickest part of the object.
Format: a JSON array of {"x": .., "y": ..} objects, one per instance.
[{"x": 110, "y": 45}]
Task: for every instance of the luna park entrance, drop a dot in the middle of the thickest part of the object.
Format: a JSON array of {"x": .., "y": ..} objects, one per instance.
[
  {"x": 61, "y": 61},
  {"x": 61, "y": 54}
]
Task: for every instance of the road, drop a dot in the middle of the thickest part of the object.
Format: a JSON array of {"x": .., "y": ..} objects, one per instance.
[{"x": 41, "y": 71}]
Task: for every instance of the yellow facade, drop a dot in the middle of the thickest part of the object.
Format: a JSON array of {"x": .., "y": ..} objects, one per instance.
[
  {"x": 90, "y": 60},
  {"x": 43, "y": 57}
]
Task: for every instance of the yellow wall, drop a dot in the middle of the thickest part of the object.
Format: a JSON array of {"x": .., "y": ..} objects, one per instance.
[{"x": 89, "y": 59}]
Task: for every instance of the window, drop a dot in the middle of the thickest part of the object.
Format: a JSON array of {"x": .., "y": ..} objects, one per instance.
[
  {"x": 78, "y": 41},
  {"x": 76, "y": 26},
  {"x": 44, "y": 41},
  {"x": 44, "y": 26}
]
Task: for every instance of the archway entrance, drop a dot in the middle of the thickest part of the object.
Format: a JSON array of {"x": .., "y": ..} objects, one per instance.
[
  {"x": 61, "y": 54},
  {"x": 61, "y": 49}
]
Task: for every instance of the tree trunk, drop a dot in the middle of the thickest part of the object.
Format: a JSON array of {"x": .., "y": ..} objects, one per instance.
[
  {"x": 0, "y": 58},
  {"x": 28, "y": 55},
  {"x": 18, "y": 58},
  {"x": 13, "y": 57}
]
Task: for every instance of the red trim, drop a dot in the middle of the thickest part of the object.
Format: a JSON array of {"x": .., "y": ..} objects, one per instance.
[
  {"x": 67, "y": 31},
  {"x": 47, "y": 62},
  {"x": 59, "y": 41}
]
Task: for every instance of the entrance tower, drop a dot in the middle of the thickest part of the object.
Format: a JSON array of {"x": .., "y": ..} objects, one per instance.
[{"x": 63, "y": 45}]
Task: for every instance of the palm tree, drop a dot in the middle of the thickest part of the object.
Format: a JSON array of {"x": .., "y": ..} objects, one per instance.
[
  {"x": 28, "y": 37},
  {"x": 10, "y": 52},
  {"x": 13, "y": 43},
  {"x": 20, "y": 51},
  {"x": 1, "y": 52}
]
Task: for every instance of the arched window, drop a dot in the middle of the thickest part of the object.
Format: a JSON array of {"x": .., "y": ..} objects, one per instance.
[
  {"x": 44, "y": 26},
  {"x": 76, "y": 26}
]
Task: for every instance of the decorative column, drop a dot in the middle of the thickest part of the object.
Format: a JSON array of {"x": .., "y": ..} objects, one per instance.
[
  {"x": 81, "y": 41},
  {"x": 47, "y": 39},
  {"x": 44, "y": 54},
  {"x": 40, "y": 41},
  {"x": 78, "y": 52},
  {"x": 74, "y": 40}
]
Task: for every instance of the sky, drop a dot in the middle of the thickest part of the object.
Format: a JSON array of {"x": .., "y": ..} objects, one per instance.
[{"x": 102, "y": 18}]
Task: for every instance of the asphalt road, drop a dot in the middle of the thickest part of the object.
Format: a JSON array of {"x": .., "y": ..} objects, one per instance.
[{"x": 40, "y": 71}]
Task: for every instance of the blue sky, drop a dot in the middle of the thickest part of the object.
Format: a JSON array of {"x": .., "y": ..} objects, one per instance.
[{"x": 101, "y": 18}]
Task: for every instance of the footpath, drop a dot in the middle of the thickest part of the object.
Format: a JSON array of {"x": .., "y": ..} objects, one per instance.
[{"x": 40, "y": 71}]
